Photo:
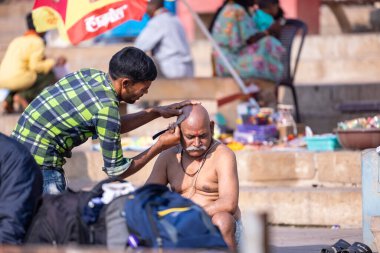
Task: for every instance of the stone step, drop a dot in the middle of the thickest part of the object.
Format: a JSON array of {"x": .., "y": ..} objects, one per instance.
[
  {"x": 305, "y": 205},
  {"x": 299, "y": 168},
  {"x": 295, "y": 188},
  {"x": 275, "y": 167},
  {"x": 300, "y": 206},
  {"x": 320, "y": 62},
  {"x": 319, "y": 104}
]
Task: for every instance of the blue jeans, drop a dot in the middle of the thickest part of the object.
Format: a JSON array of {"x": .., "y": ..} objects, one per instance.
[{"x": 54, "y": 180}]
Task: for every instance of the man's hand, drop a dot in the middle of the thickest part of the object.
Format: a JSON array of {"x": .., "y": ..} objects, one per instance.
[
  {"x": 170, "y": 138},
  {"x": 61, "y": 60},
  {"x": 168, "y": 111}
]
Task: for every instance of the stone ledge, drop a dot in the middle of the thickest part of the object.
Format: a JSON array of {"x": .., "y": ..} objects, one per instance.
[
  {"x": 339, "y": 167},
  {"x": 256, "y": 168},
  {"x": 306, "y": 205},
  {"x": 286, "y": 202}
]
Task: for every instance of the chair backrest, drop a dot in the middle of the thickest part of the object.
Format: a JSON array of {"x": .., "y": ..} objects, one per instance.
[{"x": 291, "y": 28}]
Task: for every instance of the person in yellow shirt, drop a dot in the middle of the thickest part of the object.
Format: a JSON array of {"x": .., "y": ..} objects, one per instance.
[{"x": 24, "y": 70}]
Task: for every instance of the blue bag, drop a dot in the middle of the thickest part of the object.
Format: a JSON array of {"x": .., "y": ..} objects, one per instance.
[{"x": 157, "y": 217}]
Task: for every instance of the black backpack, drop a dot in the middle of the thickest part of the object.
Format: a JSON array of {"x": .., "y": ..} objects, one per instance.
[{"x": 59, "y": 219}]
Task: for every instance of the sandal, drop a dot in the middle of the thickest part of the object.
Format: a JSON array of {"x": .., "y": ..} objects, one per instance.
[
  {"x": 358, "y": 247},
  {"x": 337, "y": 247}
]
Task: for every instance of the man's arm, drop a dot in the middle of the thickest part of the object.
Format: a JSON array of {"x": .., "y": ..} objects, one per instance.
[
  {"x": 132, "y": 121},
  {"x": 166, "y": 140},
  {"x": 159, "y": 172},
  {"x": 37, "y": 61},
  {"x": 228, "y": 184}
]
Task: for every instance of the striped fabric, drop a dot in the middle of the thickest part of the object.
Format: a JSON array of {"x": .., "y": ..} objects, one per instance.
[{"x": 81, "y": 105}]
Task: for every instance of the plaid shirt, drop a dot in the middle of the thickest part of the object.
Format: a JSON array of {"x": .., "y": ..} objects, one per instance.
[{"x": 81, "y": 105}]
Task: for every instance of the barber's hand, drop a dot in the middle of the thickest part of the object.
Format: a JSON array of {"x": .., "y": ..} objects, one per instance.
[
  {"x": 168, "y": 111},
  {"x": 170, "y": 138}
]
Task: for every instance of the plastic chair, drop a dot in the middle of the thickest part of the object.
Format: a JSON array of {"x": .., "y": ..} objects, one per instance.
[{"x": 292, "y": 28}]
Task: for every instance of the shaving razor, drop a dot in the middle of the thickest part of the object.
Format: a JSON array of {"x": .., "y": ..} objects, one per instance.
[{"x": 179, "y": 120}]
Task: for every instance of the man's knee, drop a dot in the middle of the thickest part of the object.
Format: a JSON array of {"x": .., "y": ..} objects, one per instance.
[{"x": 224, "y": 221}]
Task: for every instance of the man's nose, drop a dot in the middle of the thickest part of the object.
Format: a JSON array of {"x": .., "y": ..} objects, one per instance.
[{"x": 197, "y": 141}]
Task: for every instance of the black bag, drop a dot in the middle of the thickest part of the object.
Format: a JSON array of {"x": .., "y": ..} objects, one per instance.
[
  {"x": 152, "y": 216},
  {"x": 59, "y": 219}
]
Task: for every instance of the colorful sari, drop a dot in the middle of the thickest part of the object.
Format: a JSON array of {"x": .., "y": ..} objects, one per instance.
[{"x": 261, "y": 60}]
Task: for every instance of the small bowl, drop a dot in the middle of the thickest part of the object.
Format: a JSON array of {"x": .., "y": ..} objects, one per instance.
[{"x": 359, "y": 138}]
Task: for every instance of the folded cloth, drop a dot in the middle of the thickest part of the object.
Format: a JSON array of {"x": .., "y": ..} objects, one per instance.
[{"x": 114, "y": 190}]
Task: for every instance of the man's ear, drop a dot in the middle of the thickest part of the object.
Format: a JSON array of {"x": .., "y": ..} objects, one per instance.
[
  {"x": 212, "y": 125},
  {"x": 126, "y": 82}
]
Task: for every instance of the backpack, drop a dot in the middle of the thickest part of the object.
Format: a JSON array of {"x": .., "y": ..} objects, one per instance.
[
  {"x": 62, "y": 219},
  {"x": 158, "y": 217},
  {"x": 151, "y": 216}
]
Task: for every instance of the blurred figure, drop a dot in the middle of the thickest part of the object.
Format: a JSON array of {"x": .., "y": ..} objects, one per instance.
[
  {"x": 252, "y": 53},
  {"x": 268, "y": 14},
  {"x": 164, "y": 35},
  {"x": 25, "y": 70},
  {"x": 20, "y": 190}
]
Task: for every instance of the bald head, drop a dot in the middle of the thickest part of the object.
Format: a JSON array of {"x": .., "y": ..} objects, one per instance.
[{"x": 195, "y": 115}]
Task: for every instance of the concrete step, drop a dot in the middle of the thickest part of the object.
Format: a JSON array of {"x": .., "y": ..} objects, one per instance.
[
  {"x": 299, "y": 168},
  {"x": 301, "y": 206},
  {"x": 306, "y": 205},
  {"x": 295, "y": 188},
  {"x": 321, "y": 62},
  {"x": 319, "y": 104}
]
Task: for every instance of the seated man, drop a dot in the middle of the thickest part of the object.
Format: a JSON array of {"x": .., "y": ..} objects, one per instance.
[
  {"x": 204, "y": 170},
  {"x": 165, "y": 37}
]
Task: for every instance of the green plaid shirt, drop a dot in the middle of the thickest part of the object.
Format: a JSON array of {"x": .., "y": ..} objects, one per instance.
[{"x": 81, "y": 105}]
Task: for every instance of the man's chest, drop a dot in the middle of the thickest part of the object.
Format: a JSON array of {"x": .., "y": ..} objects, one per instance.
[{"x": 203, "y": 179}]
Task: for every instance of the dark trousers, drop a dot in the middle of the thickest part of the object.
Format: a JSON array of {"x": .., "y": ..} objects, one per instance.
[{"x": 42, "y": 81}]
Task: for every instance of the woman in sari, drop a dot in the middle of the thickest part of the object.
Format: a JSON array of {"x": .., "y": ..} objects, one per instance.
[{"x": 253, "y": 54}]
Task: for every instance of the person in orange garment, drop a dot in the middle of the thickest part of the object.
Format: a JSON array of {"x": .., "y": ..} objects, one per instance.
[
  {"x": 25, "y": 71},
  {"x": 205, "y": 171}
]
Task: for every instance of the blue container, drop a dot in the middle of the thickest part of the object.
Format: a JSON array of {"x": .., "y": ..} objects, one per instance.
[
  {"x": 327, "y": 142},
  {"x": 370, "y": 193}
]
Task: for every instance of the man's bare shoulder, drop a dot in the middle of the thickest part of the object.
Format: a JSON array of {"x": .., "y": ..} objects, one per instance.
[
  {"x": 223, "y": 150},
  {"x": 170, "y": 152}
]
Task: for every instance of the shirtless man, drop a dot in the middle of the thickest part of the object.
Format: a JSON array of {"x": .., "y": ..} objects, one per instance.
[{"x": 204, "y": 170}]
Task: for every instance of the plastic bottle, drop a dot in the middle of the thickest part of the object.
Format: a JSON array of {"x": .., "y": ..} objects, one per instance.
[{"x": 285, "y": 122}]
